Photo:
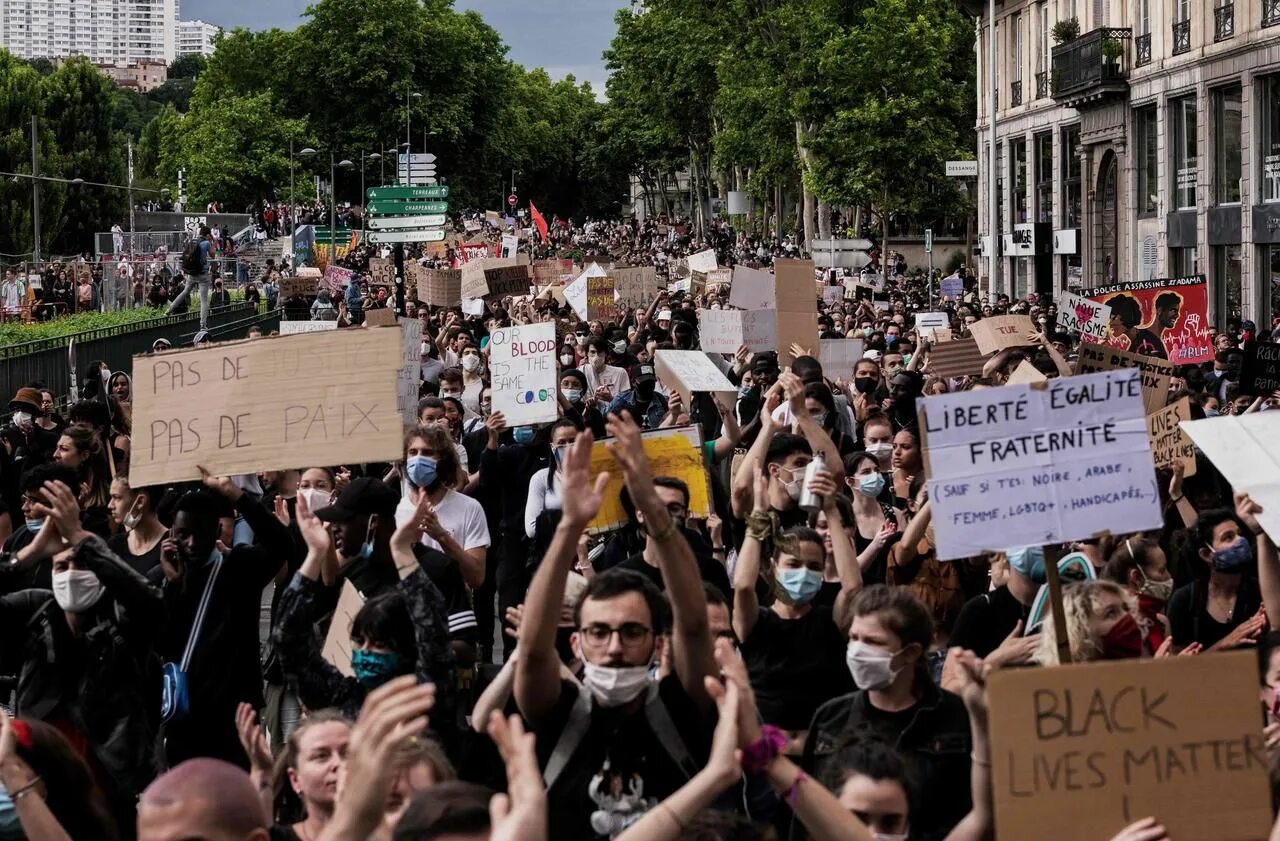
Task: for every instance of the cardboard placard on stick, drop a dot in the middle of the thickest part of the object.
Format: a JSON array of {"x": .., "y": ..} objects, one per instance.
[
  {"x": 1082, "y": 751},
  {"x": 690, "y": 371},
  {"x": 380, "y": 317},
  {"x": 1156, "y": 373},
  {"x": 838, "y": 356},
  {"x": 266, "y": 404},
  {"x": 508, "y": 280},
  {"x": 439, "y": 287},
  {"x": 636, "y": 286},
  {"x": 797, "y": 305},
  {"x": 382, "y": 272},
  {"x": 1002, "y": 331},
  {"x": 1169, "y": 444},
  {"x": 675, "y": 451}
]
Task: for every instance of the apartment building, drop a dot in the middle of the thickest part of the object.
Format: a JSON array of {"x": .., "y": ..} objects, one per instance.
[
  {"x": 196, "y": 37},
  {"x": 114, "y": 32},
  {"x": 1146, "y": 146}
]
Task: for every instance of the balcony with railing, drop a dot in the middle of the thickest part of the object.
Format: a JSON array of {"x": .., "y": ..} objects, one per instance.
[
  {"x": 1015, "y": 94},
  {"x": 1224, "y": 22},
  {"x": 1270, "y": 12},
  {"x": 1042, "y": 84},
  {"x": 1142, "y": 50},
  {"x": 1181, "y": 37},
  {"x": 1091, "y": 68}
]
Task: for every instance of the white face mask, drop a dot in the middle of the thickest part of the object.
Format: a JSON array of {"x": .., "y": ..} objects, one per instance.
[
  {"x": 598, "y": 362},
  {"x": 317, "y": 498},
  {"x": 882, "y": 451},
  {"x": 793, "y": 487},
  {"x": 131, "y": 517},
  {"x": 77, "y": 590},
  {"x": 22, "y": 420},
  {"x": 614, "y": 686},
  {"x": 471, "y": 364},
  {"x": 870, "y": 665}
]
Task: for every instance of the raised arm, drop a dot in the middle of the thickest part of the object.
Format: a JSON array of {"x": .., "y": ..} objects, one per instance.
[
  {"x": 846, "y": 557},
  {"x": 905, "y": 551},
  {"x": 743, "y": 481},
  {"x": 746, "y": 606},
  {"x": 813, "y": 432},
  {"x": 1268, "y": 562},
  {"x": 971, "y": 686},
  {"x": 731, "y": 433}
]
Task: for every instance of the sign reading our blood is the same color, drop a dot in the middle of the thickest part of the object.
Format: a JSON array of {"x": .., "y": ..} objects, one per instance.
[{"x": 523, "y": 364}]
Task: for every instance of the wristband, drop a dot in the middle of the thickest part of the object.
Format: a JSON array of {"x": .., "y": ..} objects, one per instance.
[
  {"x": 757, "y": 755},
  {"x": 665, "y": 533},
  {"x": 794, "y": 791}
]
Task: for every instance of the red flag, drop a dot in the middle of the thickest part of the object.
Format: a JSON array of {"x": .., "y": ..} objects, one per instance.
[{"x": 538, "y": 222}]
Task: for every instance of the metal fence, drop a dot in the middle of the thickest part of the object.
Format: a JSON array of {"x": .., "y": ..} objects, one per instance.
[{"x": 50, "y": 362}]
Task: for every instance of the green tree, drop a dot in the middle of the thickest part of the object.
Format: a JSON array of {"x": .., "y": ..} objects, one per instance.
[
  {"x": 20, "y": 99},
  {"x": 188, "y": 66}
]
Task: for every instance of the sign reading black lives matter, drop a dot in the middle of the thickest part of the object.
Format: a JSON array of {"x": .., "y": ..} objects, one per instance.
[{"x": 1028, "y": 465}]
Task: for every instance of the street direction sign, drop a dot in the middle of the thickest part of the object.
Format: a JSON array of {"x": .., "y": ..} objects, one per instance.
[
  {"x": 432, "y": 235},
  {"x": 431, "y": 221},
  {"x": 403, "y": 192},
  {"x": 407, "y": 208},
  {"x": 417, "y": 158}
]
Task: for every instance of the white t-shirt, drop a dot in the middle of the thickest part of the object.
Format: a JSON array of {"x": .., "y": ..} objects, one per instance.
[
  {"x": 612, "y": 377},
  {"x": 541, "y": 498},
  {"x": 461, "y": 516}
]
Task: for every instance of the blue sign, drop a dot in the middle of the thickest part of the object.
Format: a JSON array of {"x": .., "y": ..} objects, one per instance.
[{"x": 952, "y": 288}]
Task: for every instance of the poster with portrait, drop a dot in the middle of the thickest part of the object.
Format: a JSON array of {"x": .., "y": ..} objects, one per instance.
[{"x": 1166, "y": 318}]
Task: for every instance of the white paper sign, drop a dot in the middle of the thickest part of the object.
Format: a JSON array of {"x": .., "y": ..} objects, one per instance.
[
  {"x": 522, "y": 360},
  {"x": 1246, "y": 451},
  {"x": 288, "y": 328},
  {"x": 1077, "y": 314},
  {"x": 689, "y": 371},
  {"x": 927, "y": 322},
  {"x": 703, "y": 261},
  {"x": 724, "y": 331},
  {"x": 752, "y": 289},
  {"x": 510, "y": 245},
  {"x": 1025, "y": 466},
  {"x": 838, "y": 356}
]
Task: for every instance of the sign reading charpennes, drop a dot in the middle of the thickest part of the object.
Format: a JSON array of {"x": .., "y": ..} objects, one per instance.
[
  {"x": 313, "y": 399},
  {"x": 1033, "y": 464}
]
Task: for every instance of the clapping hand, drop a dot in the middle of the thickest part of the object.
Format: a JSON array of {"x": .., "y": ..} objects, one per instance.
[{"x": 521, "y": 813}]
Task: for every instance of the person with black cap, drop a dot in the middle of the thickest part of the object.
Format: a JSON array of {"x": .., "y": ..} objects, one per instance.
[{"x": 642, "y": 401}]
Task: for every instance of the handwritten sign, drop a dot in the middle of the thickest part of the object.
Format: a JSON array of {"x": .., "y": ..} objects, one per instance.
[
  {"x": 1246, "y": 451},
  {"x": 289, "y": 328},
  {"x": 382, "y": 272},
  {"x": 691, "y": 371},
  {"x": 508, "y": 280},
  {"x": 1077, "y": 314},
  {"x": 266, "y": 404},
  {"x": 379, "y": 317},
  {"x": 752, "y": 289},
  {"x": 1156, "y": 373},
  {"x": 1026, "y": 465},
  {"x": 409, "y": 378},
  {"x": 703, "y": 261},
  {"x": 439, "y": 287},
  {"x": 1260, "y": 373},
  {"x": 951, "y": 288},
  {"x": 474, "y": 280},
  {"x": 1080, "y": 752},
  {"x": 672, "y": 452},
  {"x": 547, "y": 272},
  {"x": 1002, "y": 331},
  {"x": 724, "y": 331},
  {"x": 600, "y": 302},
  {"x": 1169, "y": 444},
  {"x": 838, "y": 356},
  {"x": 522, "y": 360},
  {"x": 291, "y": 287},
  {"x": 336, "y": 278},
  {"x": 635, "y": 286}
]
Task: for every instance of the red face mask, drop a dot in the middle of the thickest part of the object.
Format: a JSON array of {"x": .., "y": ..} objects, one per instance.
[{"x": 1123, "y": 641}]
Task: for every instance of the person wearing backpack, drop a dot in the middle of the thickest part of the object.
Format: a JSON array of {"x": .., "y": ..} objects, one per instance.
[{"x": 195, "y": 265}]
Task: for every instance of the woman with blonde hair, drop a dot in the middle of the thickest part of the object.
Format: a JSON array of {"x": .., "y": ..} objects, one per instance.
[{"x": 1102, "y": 624}]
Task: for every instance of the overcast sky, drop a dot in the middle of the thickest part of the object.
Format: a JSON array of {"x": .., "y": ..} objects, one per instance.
[{"x": 564, "y": 36}]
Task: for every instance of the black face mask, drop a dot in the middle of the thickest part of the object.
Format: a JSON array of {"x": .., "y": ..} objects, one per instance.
[
  {"x": 864, "y": 385},
  {"x": 644, "y": 390}
]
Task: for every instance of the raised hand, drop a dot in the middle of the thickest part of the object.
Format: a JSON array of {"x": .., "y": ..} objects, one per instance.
[
  {"x": 521, "y": 813},
  {"x": 580, "y": 497},
  {"x": 62, "y": 508},
  {"x": 253, "y": 739},
  {"x": 220, "y": 484}
]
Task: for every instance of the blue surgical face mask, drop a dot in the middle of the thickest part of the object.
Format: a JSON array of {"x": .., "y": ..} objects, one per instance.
[
  {"x": 1235, "y": 557},
  {"x": 871, "y": 484},
  {"x": 1210, "y": 413},
  {"x": 743, "y": 391},
  {"x": 573, "y": 395},
  {"x": 1028, "y": 560},
  {"x": 374, "y": 668},
  {"x": 522, "y": 434},
  {"x": 800, "y": 585},
  {"x": 35, "y": 525},
  {"x": 421, "y": 471}
]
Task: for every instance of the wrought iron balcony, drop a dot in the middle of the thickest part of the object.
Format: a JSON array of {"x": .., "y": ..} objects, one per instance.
[
  {"x": 1181, "y": 37},
  {"x": 1224, "y": 22},
  {"x": 1142, "y": 50},
  {"x": 1092, "y": 67},
  {"x": 1042, "y": 84},
  {"x": 1015, "y": 94},
  {"x": 1270, "y": 12}
]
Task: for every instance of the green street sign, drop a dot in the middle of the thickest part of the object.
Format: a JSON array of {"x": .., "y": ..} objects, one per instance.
[
  {"x": 425, "y": 192},
  {"x": 406, "y": 208}
]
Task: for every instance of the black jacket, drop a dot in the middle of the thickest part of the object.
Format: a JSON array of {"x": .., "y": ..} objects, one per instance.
[
  {"x": 104, "y": 683},
  {"x": 935, "y": 743}
]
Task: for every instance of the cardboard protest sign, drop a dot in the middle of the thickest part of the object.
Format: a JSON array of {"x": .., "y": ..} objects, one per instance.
[
  {"x": 1260, "y": 373},
  {"x": 832, "y": 295},
  {"x": 380, "y": 317},
  {"x": 1167, "y": 318},
  {"x": 600, "y": 302},
  {"x": 723, "y": 276},
  {"x": 724, "y": 331},
  {"x": 675, "y": 451},
  {"x": 1025, "y": 373},
  {"x": 958, "y": 358},
  {"x": 703, "y": 261},
  {"x": 575, "y": 294},
  {"x": 1077, "y": 314},
  {"x": 951, "y": 288},
  {"x": 1169, "y": 444},
  {"x": 289, "y": 328},
  {"x": 474, "y": 284},
  {"x": 547, "y": 272},
  {"x": 409, "y": 378},
  {"x": 635, "y": 286},
  {"x": 1026, "y": 465},
  {"x": 336, "y": 278},
  {"x": 691, "y": 371},
  {"x": 1156, "y": 373},
  {"x": 439, "y": 287},
  {"x": 294, "y": 286},
  {"x": 797, "y": 306},
  {"x": 999, "y": 332},
  {"x": 752, "y": 289},
  {"x": 337, "y": 643},
  {"x": 382, "y": 272},
  {"x": 1246, "y": 451},
  {"x": 508, "y": 280},
  {"x": 838, "y": 356},
  {"x": 522, "y": 360},
  {"x": 266, "y": 404},
  {"x": 1080, "y": 752}
]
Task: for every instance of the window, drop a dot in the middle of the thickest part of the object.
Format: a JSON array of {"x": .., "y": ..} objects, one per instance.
[
  {"x": 1043, "y": 66},
  {"x": 1181, "y": 10},
  {"x": 1015, "y": 71},
  {"x": 1018, "y": 177},
  {"x": 1071, "y": 177},
  {"x": 1226, "y": 143},
  {"x": 1183, "y": 262},
  {"x": 1044, "y": 177},
  {"x": 1144, "y": 17},
  {"x": 1182, "y": 142},
  {"x": 1228, "y": 265},
  {"x": 1145, "y": 143},
  {"x": 1269, "y": 144}
]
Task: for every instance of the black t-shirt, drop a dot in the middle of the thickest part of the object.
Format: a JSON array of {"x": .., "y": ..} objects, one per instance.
[
  {"x": 986, "y": 620},
  {"x": 1189, "y": 618},
  {"x": 889, "y": 726},
  {"x": 144, "y": 563},
  {"x": 620, "y": 769},
  {"x": 796, "y": 665},
  {"x": 709, "y": 570}
]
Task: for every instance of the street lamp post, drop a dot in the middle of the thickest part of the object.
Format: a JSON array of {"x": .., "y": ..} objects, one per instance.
[
  {"x": 372, "y": 156},
  {"x": 35, "y": 188},
  {"x": 408, "y": 134},
  {"x": 293, "y": 204}
]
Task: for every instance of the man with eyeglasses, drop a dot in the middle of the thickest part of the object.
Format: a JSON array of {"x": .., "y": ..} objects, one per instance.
[
  {"x": 620, "y": 731},
  {"x": 674, "y": 494}
]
